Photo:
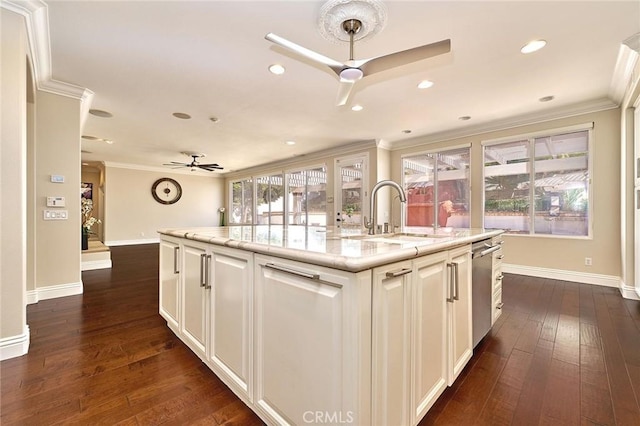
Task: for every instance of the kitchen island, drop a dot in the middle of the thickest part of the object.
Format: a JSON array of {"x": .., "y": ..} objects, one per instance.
[{"x": 311, "y": 325}]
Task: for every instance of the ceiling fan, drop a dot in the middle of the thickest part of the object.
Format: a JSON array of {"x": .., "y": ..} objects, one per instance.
[
  {"x": 353, "y": 70},
  {"x": 194, "y": 164}
]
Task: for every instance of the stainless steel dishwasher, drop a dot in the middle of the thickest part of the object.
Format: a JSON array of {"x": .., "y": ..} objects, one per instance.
[{"x": 482, "y": 287}]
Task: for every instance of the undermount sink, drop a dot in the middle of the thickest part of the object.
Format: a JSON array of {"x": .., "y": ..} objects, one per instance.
[{"x": 400, "y": 238}]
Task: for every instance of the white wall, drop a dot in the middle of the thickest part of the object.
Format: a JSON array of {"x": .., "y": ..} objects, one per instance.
[{"x": 132, "y": 216}]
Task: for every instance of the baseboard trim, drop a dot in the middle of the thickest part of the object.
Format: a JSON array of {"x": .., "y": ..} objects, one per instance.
[
  {"x": 90, "y": 265},
  {"x": 629, "y": 292},
  {"x": 14, "y": 346},
  {"x": 131, "y": 242},
  {"x": 559, "y": 274},
  {"x": 53, "y": 292}
]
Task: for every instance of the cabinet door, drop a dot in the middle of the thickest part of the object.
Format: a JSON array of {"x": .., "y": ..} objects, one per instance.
[
  {"x": 300, "y": 317},
  {"x": 170, "y": 283},
  {"x": 390, "y": 343},
  {"x": 231, "y": 311},
  {"x": 429, "y": 333},
  {"x": 194, "y": 297},
  {"x": 460, "y": 315}
]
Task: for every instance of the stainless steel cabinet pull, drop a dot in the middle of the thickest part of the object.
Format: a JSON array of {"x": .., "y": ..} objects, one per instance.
[
  {"x": 499, "y": 305},
  {"x": 500, "y": 277},
  {"x": 501, "y": 257},
  {"x": 451, "y": 279},
  {"x": 207, "y": 276},
  {"x": 457, "y": 281},
  {"x": 399, "y": 273},
  {"x": 308, "y": 275},
  {"x": 175, "y": 260},
  {"x": 203, "y": 257}
]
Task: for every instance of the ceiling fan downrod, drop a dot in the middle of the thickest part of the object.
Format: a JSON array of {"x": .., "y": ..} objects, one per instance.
[{"x": 351, "y": 27}]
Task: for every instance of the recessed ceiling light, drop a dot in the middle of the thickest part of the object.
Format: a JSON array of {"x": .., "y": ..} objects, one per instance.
[
  {"x": 85, "y": 164},
  {"x": 100, "y": 113},
  {"x": 290, "y": 142},
  {"x": 109, "y": 141},
  {"x": 425, "y": 84},
  {"x": 90, "y": 138},
  {"x": 407, "y": 131},
  {"x": 181, "y": 115},
  {"x": 214, "y": 119},
  {"x": 464, "y": 118},
  {"x": 533, "y": 46},
  {"x": 357, "y": 108},
  {"x": 546, "y": 98},
  {"x": 276, "y": 69}
]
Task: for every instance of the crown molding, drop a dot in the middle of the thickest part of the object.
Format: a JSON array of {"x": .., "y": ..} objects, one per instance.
[
  {"x": 596, "y": 105},
  {"x": 36, "y": 18},
  {"x": 625, "y": 64},
  {"x": 315, "y": 155},
  {"x": 143, "y": 168}
]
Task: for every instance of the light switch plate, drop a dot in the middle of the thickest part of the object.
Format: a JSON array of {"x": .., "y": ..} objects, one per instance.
[
  {"x": 56, "y": 215},
  {"x": 57, "y": 178}
]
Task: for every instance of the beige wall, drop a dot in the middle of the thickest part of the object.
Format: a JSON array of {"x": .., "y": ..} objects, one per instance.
[
  {"x": 133, "y": 216},
  {"x": 13, "y": 210},
  {"x": 550, "y": 252},
  {"x": 57, "y": 153}
]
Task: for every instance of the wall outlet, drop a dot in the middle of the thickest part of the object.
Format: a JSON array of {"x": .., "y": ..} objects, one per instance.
[{"x": 587, "y": 261}]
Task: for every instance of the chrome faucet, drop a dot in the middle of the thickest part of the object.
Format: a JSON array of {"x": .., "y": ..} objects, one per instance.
[{"x": 371, "y": 225}]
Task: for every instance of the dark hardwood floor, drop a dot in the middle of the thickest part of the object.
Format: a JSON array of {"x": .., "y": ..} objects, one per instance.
[{"x": 562, "y": 353}]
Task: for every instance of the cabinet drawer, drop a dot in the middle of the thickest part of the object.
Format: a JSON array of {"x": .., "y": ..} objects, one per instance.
[
  {"x": 497, "y": 280},
  {"x": 496, "y": 306}
]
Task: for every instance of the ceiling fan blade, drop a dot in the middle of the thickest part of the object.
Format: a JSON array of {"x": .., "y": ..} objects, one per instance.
[
  {"x": 173, "y": 163},
  {"x": 211, "y": 169},
  {"x": 208, "y": 165},
  {"x": 344, "y": 90},
  {"x": 383, "y": 63},
  {"x": 336, "y": 66}
]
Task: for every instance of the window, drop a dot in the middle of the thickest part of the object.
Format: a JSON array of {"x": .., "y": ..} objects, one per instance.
[
  {"x": 437, "y": 188},
  {"x": 538, "y": 185},
  {"x": 241, "y": 202},
  {"x": 307, "y": 197},
  {"x": 270, "y": 200}
]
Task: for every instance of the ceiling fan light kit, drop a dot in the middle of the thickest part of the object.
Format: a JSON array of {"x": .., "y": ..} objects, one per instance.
[{"x": 351, "y": 20}]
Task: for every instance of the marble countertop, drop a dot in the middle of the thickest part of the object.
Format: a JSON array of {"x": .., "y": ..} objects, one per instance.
[{"x": 337, "y": 248}]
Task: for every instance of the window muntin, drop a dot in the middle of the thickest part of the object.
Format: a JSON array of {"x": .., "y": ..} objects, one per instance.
[
  {"x": 539, "y": 185},
  {"x": 441, "y": 176}
]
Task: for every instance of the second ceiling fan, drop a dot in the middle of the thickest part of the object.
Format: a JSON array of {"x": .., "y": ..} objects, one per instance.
[{"x": 353, "y": 70}]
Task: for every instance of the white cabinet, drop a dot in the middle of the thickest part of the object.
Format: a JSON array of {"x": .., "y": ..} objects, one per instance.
[
  {"x": 429, "y": 337},
  {"x": 170, "y": 265},
  {"x": 196, "y": 262},
  {"x": 231, "y": 313},
  {"x": 422, "y": 333},
  {"x": 311, "y": 344},
  {"x": 496, "y": 274},
  {"x": 460, "y": 314},
  {"x": 390, "y": 342}
]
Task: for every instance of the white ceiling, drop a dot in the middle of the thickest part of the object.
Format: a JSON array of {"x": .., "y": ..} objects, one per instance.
[{"x": 145, "y": 60}]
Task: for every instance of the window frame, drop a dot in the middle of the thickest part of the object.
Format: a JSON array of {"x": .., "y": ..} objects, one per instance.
[
  {"x": 438, "y": 151},
  {"x": 530, "y": 138},
  {"x": 305, "y": 169}
]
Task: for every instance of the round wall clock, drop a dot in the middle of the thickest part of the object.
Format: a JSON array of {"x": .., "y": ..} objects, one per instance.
[{"x": 166, "y": 191}]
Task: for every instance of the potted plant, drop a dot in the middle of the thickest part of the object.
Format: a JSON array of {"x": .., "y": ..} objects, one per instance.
[{"x": 87, "y": 221}]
